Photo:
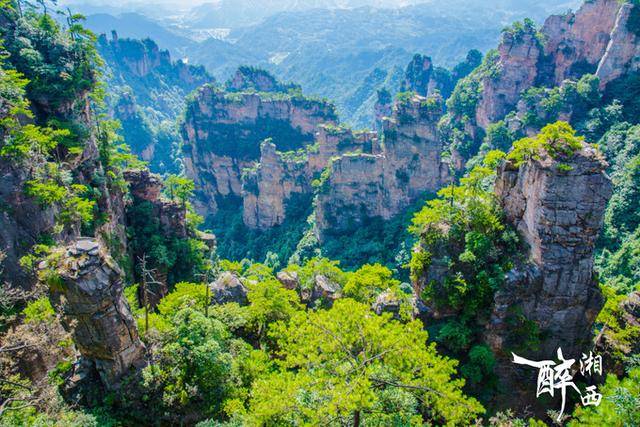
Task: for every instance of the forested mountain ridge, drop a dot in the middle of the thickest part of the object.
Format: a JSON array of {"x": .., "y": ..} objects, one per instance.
[
  {"x": 344, "y": 54},
  {"x": 116, "y": 310},
  {"x": 147, "y": 92}
]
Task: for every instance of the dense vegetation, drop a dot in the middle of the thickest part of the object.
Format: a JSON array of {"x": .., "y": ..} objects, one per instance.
[{"x": 287, "y": 357}]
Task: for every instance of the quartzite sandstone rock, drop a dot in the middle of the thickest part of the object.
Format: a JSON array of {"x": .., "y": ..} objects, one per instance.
[
  {"x": 89, "y": 298},
  {"x": 223, "y": 132},
  {"x": 363, "y": 185},
  {"x": 559, "y": 214},
  {"x": 228, "y": 288}
]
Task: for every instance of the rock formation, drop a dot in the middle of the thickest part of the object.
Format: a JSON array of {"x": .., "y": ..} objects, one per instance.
[
  {"x": 228, "y": 288},
  {"x": 558, "y": 211},
  {"x": 223, "y": 132},
  {"x": 519, "y": 53},
  {"x": 89, "y": 298},
  {"x": 424, "y": 79},
  {"x": 270, "y": 185},
  {"x": 381, "y": 184},
  {"x": 256, "y": 79},
  {"x": 147, "y": 187},
  {"x": 382, "y": 108},
  {"x": 147, "y": 88},
  {"x": 600, "y": 38},
  {"x": 267, "y": 188}
]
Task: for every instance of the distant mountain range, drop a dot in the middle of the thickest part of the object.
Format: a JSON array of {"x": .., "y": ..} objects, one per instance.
[{"x": 340, "y": 49}]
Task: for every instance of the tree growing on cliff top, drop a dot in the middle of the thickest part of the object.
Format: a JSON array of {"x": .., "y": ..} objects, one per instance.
[{"x": 179, "y": 188}]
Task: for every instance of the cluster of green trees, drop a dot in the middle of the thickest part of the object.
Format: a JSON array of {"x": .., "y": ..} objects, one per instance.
[{"x": 273, "y": 362}]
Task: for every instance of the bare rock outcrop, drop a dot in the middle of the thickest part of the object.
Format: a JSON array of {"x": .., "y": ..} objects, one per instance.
[
  {"x": 600, "y": 38},
  {"x": 289, "y": 279},
  {"x": 93, "y": 309},
  {"x": 516, "y": 71},
  {"x": 228, "y": 288},
  {"x": 559, "y": 213},
  {"x": 267, "y": 188},
  {"x": 558, "y": 207},
  {"x": 621, "y": 55},
  {"x": 223, "y": 132},
  {"x": 147, "y": 187},
  {"x": 381, "y": 184}
]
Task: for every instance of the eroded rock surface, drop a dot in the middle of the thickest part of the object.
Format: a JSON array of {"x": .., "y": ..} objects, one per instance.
[
  {"x": 559, "y": 214},
  {"x": 558, "y": 211},
  {"x": 93, "y": 309},
  {"x": 381, "y": 184},
  {"x": 228, "y": 288},
  {"x": 223, "y": 132}
]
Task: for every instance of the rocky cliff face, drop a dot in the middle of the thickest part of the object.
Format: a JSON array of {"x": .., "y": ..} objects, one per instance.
[
  {"x": 269, "y": 186},
  {"x": 89, "y": 298},
  {"x": 146, "y": 188},
  {"x": 600, "y": 38},
  {"x": 559, "y": 213},
  {"x": 223, "y": 133},
  {"x": 382, "y": 183},
  {"x": 424, "y": 79},
  {"x": 516, "y": 71},
  {"x": 135, "y": 70},
  {"x": 140, "y": 56},
  {"x": 256, "y": 79}
]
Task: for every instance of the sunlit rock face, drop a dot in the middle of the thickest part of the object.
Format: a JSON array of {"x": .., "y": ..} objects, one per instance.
[
  {"x": 223, "y": 132},
  {"x": 382, "y": 183},
  {"x": 558, "y": 211},
  {"x": 89, "y": 297}
]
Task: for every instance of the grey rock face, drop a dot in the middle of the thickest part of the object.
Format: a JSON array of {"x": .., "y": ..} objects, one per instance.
[
  {"x": 559, "y": 214},
  {"x": 390, "y": 302},
  {"x": 228, "y": 288},
  {"x": 289, "y": 279},
  {"x": 383, "y": 183},
  {"x": 94, "y": 310}
]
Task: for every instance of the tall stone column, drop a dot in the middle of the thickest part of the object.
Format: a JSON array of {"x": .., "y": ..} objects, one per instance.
[
  {"x": 89, "y": 298},
  {"x": 558, "y": 209}
]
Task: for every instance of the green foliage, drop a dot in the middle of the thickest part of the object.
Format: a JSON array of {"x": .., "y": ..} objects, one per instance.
[
  {"x": 620, "y": 404},
  {"x": 518, "y": 30},
  {"x": 499, "y": 137},
  {"x": 179, "y": 188},
  {"x": 622, "y": 217},
  {"x": 558, "y": 140},
  {"x": 480, "y": 364},
  {"x": 61, "y": 65},
  {"x": 269, "y": 302},
  {"x": 345, "y": 362},
  {"x": 236, "y": 241},
  {"x": 460, "y": 261},
  {"x": 314, "y": 266},
  {"x": 180, "y": 257},
  {"x": 620, "y": 335},
  {"x": 197, "y": 368},
  {"x": 39, "y": 310},
  {"x": 366, "y": 283}
]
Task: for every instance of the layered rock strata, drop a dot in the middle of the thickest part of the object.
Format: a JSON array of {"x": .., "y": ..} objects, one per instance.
[
  {"x": 93, "y": 309},
  {"x": 223, "y": 132},
  {"x": 558, "y": 211},
  {"x": 382, "y": 183}
]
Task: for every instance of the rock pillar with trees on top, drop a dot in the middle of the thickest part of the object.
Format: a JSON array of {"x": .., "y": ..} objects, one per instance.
[{"x": 87, "y": 292}]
